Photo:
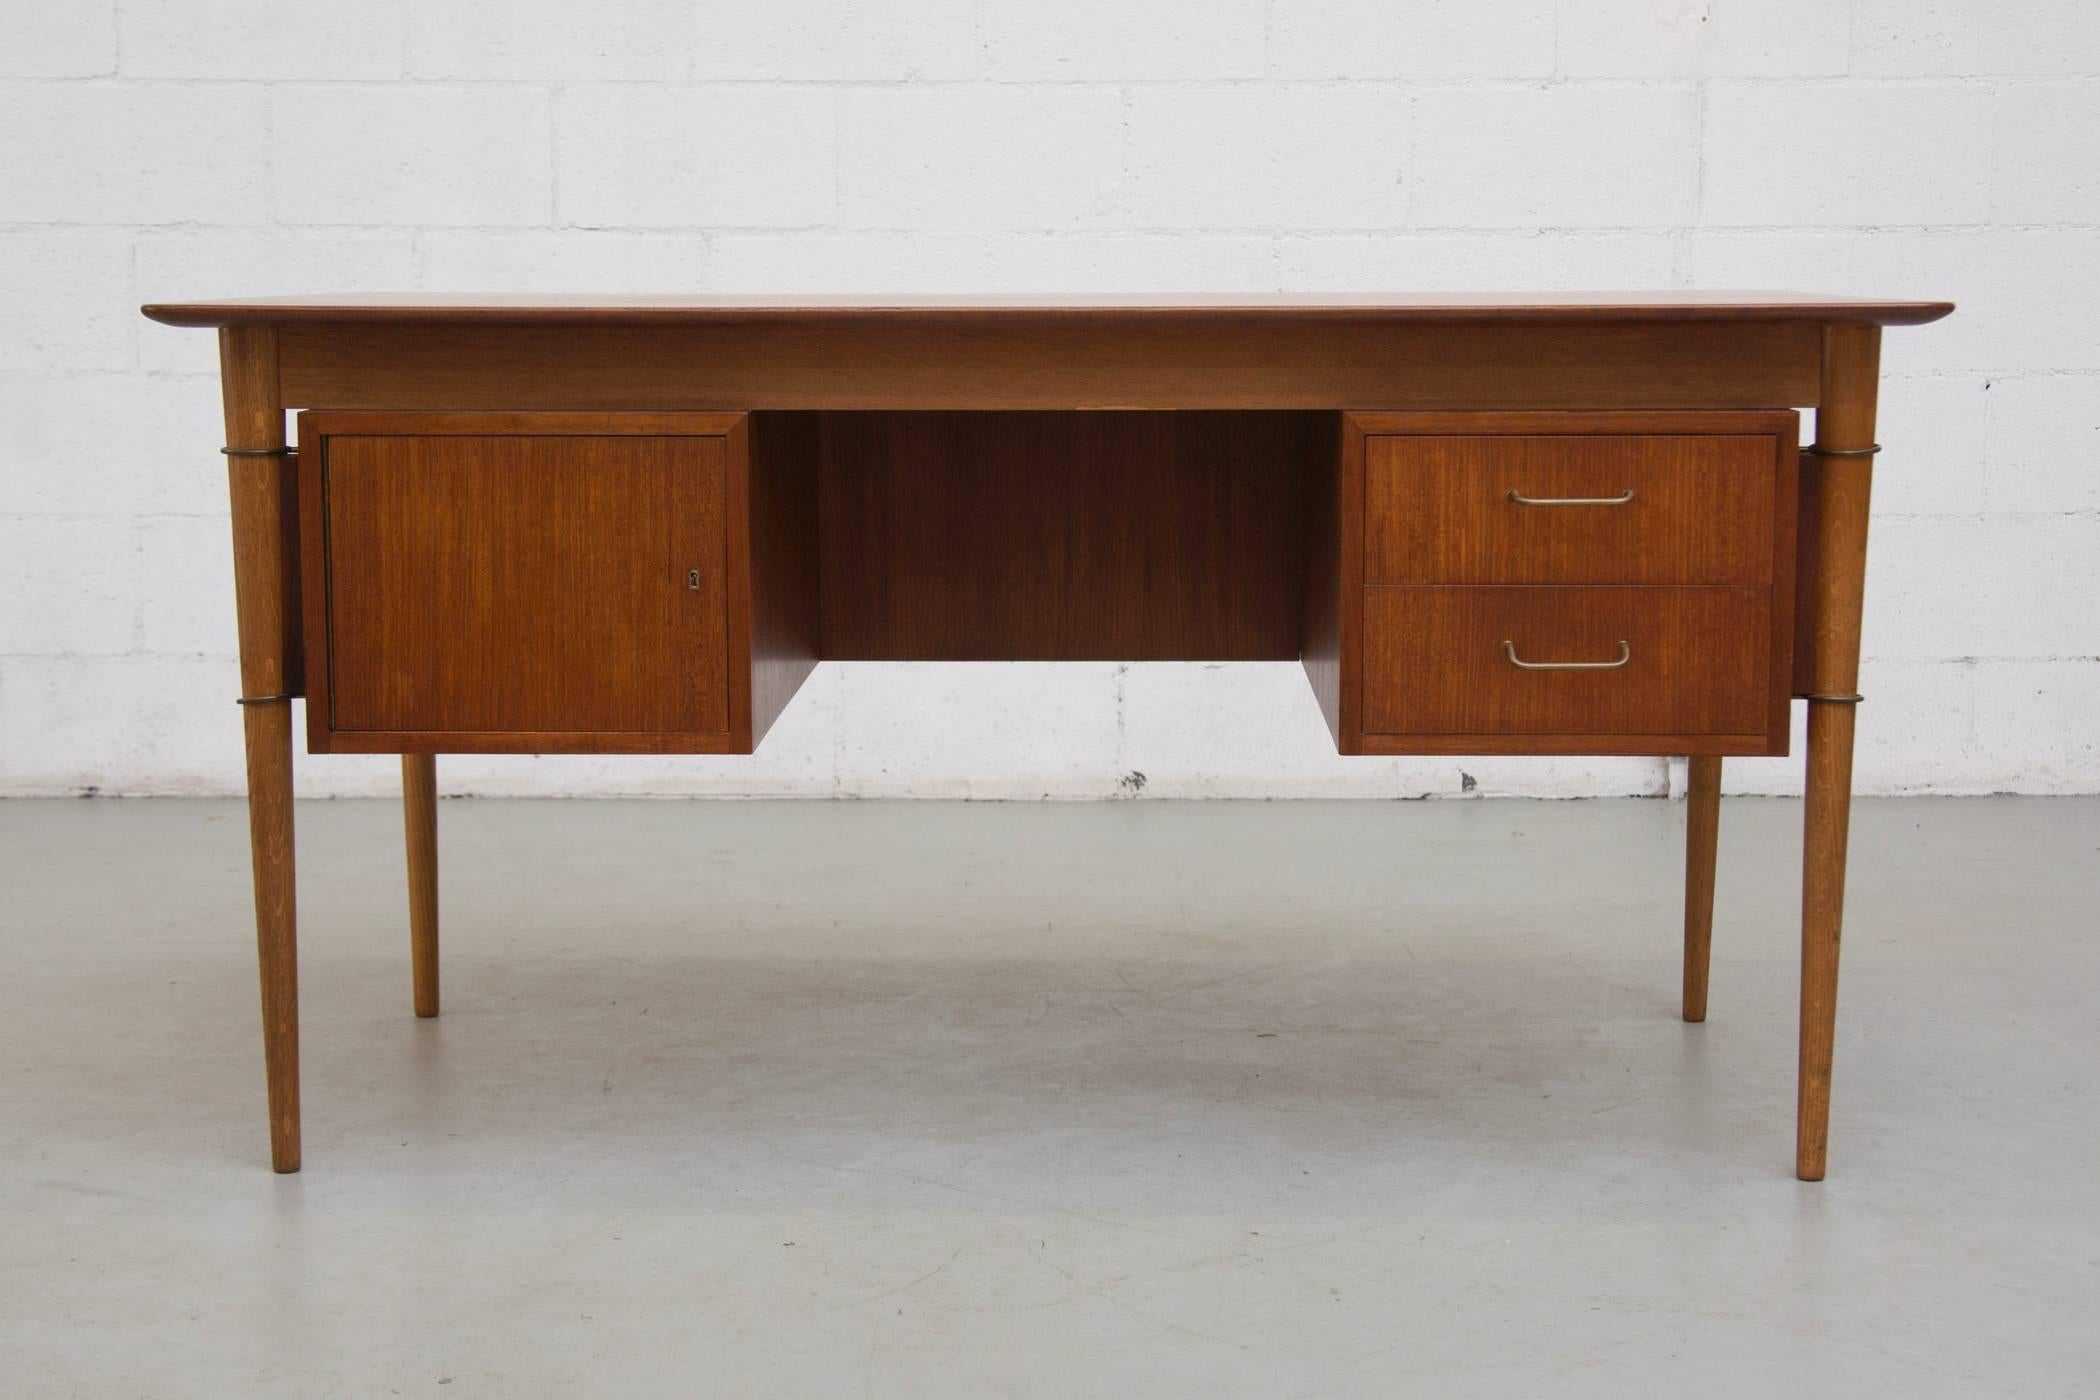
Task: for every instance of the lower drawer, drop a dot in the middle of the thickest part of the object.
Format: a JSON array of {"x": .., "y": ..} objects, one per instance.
[{"x": 1655, "y": 666}]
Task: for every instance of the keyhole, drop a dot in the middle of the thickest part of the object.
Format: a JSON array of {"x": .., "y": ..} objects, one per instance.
[{"x": 692, "y": 579}]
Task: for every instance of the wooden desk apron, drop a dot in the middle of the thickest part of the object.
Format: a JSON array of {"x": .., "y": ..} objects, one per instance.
[{"x": 1577, "y": 525}]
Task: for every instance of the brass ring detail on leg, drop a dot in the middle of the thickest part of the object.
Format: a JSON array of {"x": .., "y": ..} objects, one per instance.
[
  {"x": 262, "y": 699},
  {"x": 1817, "y": 449},
  {"x": 1832, "y": 699},
  {"x": 258, "y": 452}
]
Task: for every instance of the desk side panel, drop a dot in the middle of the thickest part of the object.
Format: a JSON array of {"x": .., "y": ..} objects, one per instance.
[
  {"x": 1329, "y": 518},
  {"x": 782, "y": 466}
]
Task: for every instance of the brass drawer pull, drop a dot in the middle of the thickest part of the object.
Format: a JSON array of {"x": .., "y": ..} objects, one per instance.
[
  {"x": 1619, "y": 500},
  {"x": 1509, "y": 649}
]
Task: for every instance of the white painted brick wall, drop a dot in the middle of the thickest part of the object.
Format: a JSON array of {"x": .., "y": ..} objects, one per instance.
[
  {"x": 1436, "y": 42},
  {"x": 1822, "y": 153},
  {"x": 733, "y": 155},
  {"x": 1026, "y": 41},
  {"x": 1559, "y": 155},
  {"x": 147, "y": 153},
  {"x": 1267, "y": 157},
  {"x": 410, "y": 153},
  {"x": 832, "y": 41},
  {"x": 57, "y": 313},
  {"x": 630, "y": 41},
  {"x": 260, "y": 40},
  {"x": 1685, "y": 39},
  {"x": 978, "y": 158},
  {"x": 153, "y": 149}
]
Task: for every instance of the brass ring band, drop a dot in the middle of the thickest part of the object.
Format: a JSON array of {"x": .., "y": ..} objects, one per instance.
[
  {"x": 1833, "y": 699},
  {"x": 258, "y": 451},
  {"x": 1821, "y": 451},
  {"x": 262, "y": 699}
]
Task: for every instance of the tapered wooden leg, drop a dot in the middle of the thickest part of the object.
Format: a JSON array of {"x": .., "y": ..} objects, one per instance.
[
  {"x": 1701, "y": 829},
  {"x": 1828, "y": 821},
  {"x": 265, "y": 573},
  {"x": 276, "y": 919},
  {"x": 419, "y": 815},
  {"x": 1840, "y": 474}
]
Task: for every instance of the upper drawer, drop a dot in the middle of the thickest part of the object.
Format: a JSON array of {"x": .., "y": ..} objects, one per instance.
[{"x": 1576, "y": 507}]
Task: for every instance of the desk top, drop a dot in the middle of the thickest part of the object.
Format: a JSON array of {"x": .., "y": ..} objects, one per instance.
[{"x": 1535, "y": 307}]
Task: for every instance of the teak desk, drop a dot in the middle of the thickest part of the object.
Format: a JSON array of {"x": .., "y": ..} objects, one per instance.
[{"x": 1568, "y": 525}]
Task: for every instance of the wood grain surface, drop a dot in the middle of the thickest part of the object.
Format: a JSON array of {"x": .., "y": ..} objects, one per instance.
[
  {"x": 266, "y": 599},
  {"x": 780, "y": 450},
  {"x": 525, "y": 583},
  {"x": 1051, "y": 362},
  {"x": 1499, "y": 307},
  {"x": 1702, "y": 827},
  {"x": 1439, "y": 509},
  {"x": 1434, "y": 661},
  {"x": 1835, "y": 596},
  {"x": 1066, "y": 536},
  {"x": 419, "y": 827}
]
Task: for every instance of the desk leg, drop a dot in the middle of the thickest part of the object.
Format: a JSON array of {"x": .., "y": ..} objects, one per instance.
[
  {"x": 265, "y": 583},
  {"x": 276, "y": 919},
  {"x": 1840, "y": 474},
  {"x": 419, "y": 816},
  {"x": 1701, "y": 832}
]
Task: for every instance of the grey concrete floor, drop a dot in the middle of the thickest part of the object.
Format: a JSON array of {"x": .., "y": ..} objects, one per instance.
[{"x": 1119, "y": 1100}]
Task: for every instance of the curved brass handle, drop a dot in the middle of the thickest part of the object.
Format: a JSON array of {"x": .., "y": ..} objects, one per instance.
[
  {"x": 1509, "y": 649},
  {"x": 1619, "y": 500}
]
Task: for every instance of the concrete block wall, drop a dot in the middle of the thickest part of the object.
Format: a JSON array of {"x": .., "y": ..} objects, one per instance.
[{"x": 177, "y": 148}]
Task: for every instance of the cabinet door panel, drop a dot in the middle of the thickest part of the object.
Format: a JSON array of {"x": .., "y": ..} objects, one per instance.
[{"x": 519, "y": 584}]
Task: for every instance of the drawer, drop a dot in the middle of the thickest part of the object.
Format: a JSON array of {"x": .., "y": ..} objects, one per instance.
[
  {"x": 1657, "y": 665},
  {"x": 1580, "y": 507}
]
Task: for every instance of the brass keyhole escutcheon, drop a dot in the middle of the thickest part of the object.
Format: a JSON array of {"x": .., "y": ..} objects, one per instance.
[{"x": 692, "y": 579}]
